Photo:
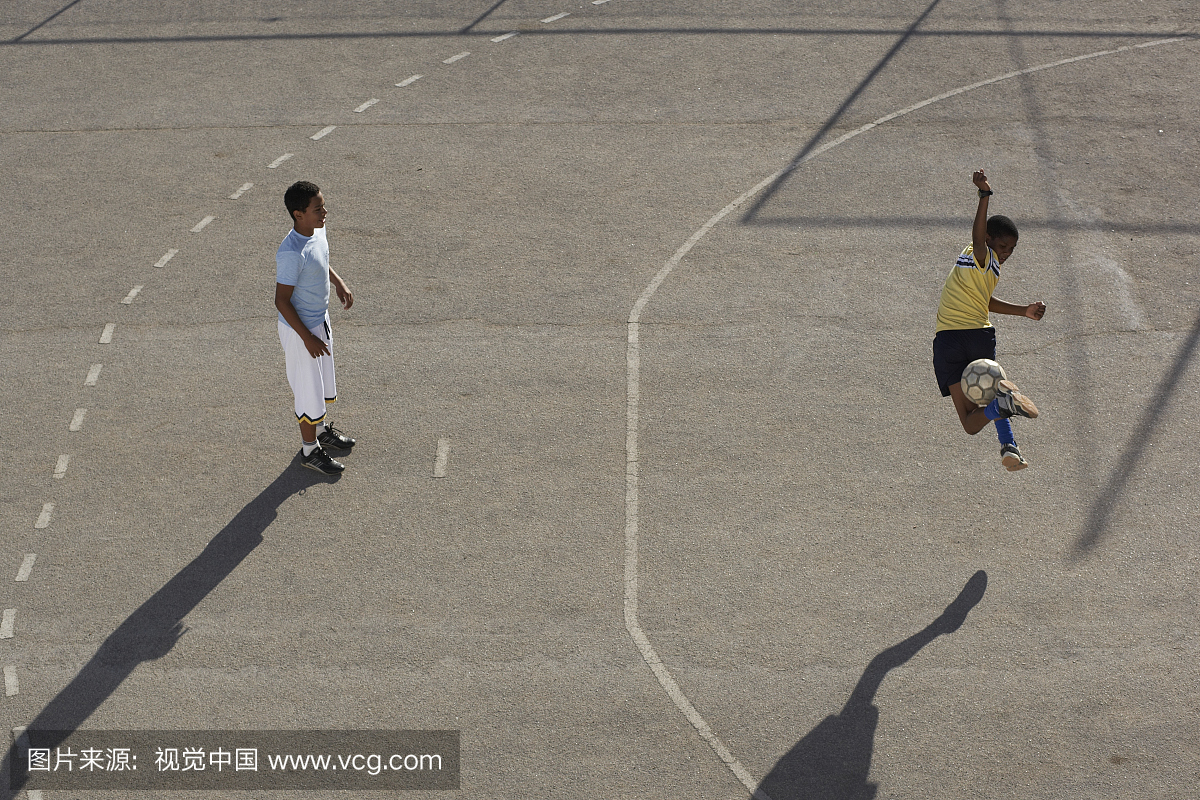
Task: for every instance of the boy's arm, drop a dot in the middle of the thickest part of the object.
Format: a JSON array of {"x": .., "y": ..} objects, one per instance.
[
  {"x": 979, "y": 226},
  {"x": 343, "y": 291},
  {"x": 1035, "y": 310},
  {"x": 283, "y": 302}
]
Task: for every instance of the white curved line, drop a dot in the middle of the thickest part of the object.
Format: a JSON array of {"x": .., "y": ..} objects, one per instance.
[{"x": 633, "y": 395}]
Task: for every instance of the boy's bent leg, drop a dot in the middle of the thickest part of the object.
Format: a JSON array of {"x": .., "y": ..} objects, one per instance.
[{"x": 971, "y": 416}]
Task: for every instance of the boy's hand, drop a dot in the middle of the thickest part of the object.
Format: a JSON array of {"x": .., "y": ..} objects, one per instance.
[
  {"x": 315, "y": 346},
  {"x": 343, "y": 292},
  {"x": 980, "y": 180},
  {"x": 1035, "y": 310}
]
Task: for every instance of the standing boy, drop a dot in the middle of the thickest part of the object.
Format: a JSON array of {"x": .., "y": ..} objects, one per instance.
[
  {"x": 965, "y": 332},
  {"x": 302, "y": 279}
]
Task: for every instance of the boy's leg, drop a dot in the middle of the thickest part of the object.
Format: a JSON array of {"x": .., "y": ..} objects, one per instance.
[{"x": 971, "y": 416}]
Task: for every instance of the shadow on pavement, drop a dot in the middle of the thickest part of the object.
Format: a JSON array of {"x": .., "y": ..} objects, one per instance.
[
  {"x": 153, "y": 629},
  {"x": 1100, "y": 517},
  {"x": 832, "y": 762}
]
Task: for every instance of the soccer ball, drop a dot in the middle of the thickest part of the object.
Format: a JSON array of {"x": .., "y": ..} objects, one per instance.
[{"x": 979, "y": 380}]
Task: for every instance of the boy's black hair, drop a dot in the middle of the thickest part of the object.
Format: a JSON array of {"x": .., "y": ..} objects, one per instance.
[
  {"x": 300, "y": 194},
  {"x": 1000, "y": 226}
]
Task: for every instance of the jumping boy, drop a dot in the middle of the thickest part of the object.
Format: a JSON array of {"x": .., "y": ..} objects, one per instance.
[
  {"x": 965, "y": 332},
  {"x": 302, "y": 279}
]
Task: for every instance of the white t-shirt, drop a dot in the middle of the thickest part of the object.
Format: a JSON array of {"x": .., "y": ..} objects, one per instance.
[{"x": 303, "y": 262}]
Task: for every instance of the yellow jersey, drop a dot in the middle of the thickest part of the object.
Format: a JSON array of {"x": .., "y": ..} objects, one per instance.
[{"x": 967, "y": 291}]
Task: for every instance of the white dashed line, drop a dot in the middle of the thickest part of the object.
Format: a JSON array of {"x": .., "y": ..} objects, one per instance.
[
  {"x": 132, "y": 294},
  {"x": 77, "y": 420},
  {"x": 411, "y": 79},
  {"x": 323, "y": 132},
  {"x": 6, "y": 624},
  {"x": 10, "y": 682},
  {"x": 245, "y": 187},
  {"x": 280, "y": 160},
  {"x": 443, "y": 454},
  {"x": 557, "y": 17},
  {"x": 599, "y": 2},
  {"x": 505, "y": 36},
  {"x": 366, "y": 105},
  {"x": 162, "y": 262},
  {"x": 93, "y": 375},
  {"x": 34, "y": 794},
  {"x": 458, "y": 57},
  {"x": 26, "y": 567},
  {"x": 60, "y": 468},
  {"x": 44, "y": 518},
  {"x": 107, "y": 334},
  {"x": 202, "y": 224}
]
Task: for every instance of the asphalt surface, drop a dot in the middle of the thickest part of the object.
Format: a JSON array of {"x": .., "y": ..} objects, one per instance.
[{"x": 852, "y": 595}]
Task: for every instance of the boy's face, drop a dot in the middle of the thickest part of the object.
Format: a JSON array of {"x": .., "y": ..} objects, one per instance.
[
  {"x": 1003, "y": 246},
  {"x": 314, "y": 215}
]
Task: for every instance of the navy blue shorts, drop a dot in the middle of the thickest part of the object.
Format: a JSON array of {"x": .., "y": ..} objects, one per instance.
[{"x": 953, "y": 350}]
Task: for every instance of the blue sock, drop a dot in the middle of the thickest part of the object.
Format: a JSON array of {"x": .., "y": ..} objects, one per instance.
[
  {"x": 1005, "y": 432},
  {"x": 993, "y": 412}
]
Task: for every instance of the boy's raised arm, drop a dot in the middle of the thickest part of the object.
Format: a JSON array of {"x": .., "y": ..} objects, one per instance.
[{"x": 979, "y": 227}]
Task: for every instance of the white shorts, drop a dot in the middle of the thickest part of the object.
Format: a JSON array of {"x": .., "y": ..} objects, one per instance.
[{"x": 312, "y": 379}]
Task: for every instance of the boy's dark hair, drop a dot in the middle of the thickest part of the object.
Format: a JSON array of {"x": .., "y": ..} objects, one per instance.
[
  {"x": 1001, "y": 226},
  {"x": 300, "y": 194}
]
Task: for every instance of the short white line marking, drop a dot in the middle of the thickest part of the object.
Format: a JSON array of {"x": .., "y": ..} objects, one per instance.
[
  {"x": 77, "y": 420},
  {"x": 34, "y": 794},
  {"x": 44, "y": 518},
  {"x": 93, "y": 375},
  {"x": 107, "y": 334},
  {"x": 280, "y": 160},
  {"x": 202, "y": 224},
  {"x": 458, "y": 57},
  {"x": 443, "y": 453},
  {"x": 633, "y": 396},
  {"x": 321, "y": 134},
  {"x": 411, "y": 79},
  {"x": 599, "y": 2},
  {"x": 162, "y": 262},
  {"x": 505, "y": 36},
  {"x": 60, "y": 468},
  {"x": 6, "y": 624},
  {"x": 366, "y": 105},
  {"x": 245, "y": 187},
  {"x": 557, "y": 17},
  {"x": 26, "y": 567},
  {"x": 132, "y": 294},
  {"x": 10, "y": 682}
]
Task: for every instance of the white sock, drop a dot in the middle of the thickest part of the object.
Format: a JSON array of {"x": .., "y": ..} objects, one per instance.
[{"x": 309, "y": 447}]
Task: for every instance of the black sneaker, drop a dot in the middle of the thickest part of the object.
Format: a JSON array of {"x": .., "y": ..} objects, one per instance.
[
  {"x": 320, "y": 461},
  {"x": 1011, "y": 458},
  {"x": 332, "y": 437},
  {"x": 1012, "y": 403}
]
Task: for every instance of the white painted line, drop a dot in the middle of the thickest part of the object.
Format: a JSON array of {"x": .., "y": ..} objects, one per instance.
[
  {"x": 458, "y": 57},
  {"x": 93, "y": 375},
  {"x": 443, "y": 453},
  {"x": 162, "y": 262},
  {"x": 599, "y": 2},
  {"x": 366, "y": 105},
  {"x": 411, "y": 79},
  {"x": 280, "y": 160},
  {"x": 60, "y": 468},
  {"x": 77, "y": 420},
  {"x": 633, "y": 396},
  {"x": 26, "y": 567},
  {"x": 321, "y": 134},
  {"x": 132, "y": 294},
  {"x": 107, "y": 334},
  {"x": 245, "y": 187},
  {"x": 34, "y": 794},
  {"x": 202, "y": 224},
  {"x": 10, "y": 682},
  {"x": 505, "y": 36},
  {"x": 6, "y": 624},
  {"x": 557, "y": 17},
  {"x": 44, "y": 518}
]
